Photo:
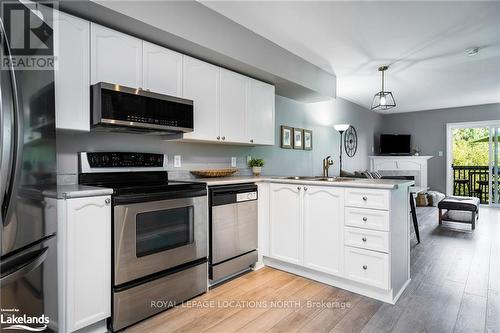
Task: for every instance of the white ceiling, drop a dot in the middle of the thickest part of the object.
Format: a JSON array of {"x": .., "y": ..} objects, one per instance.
[{"x": 423, "y": 42}]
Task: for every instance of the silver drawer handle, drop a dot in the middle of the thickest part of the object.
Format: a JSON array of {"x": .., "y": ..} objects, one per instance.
[
  {"x": 365, "y": 198},
  {"x": 365, "y": 267},
  {"x": 365, "y": 219},
  {"x": 363, "y": 239}
]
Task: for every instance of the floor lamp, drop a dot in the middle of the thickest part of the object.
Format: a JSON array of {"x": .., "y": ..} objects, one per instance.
[{"x": 341, "y": 128}]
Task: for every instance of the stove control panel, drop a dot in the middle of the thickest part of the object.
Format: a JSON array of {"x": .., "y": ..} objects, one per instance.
[{"x": 124, "y": 160}]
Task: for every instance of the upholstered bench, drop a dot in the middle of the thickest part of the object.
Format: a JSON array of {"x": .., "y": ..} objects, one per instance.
[{"x": 459, "y": 209}]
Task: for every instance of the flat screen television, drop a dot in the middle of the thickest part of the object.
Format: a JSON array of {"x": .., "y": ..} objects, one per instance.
[{"x": 395, "y": 144}]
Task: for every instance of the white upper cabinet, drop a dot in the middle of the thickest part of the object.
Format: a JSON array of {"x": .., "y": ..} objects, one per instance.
[
  {"x": 201, "y": 84},
  {"x": 233, "y": 104},
  {"x": 162, "y": 70},
  {"x": 286, "y": 223},
  {"x": 115, "y": 57},
  {"x": 72, "y": 75},
  {"x": 260, "y": 113},
  {"x": 323, "y": 228}
]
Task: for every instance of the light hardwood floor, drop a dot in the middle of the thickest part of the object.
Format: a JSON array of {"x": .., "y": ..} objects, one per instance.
[{"x": 455, "y": 287}]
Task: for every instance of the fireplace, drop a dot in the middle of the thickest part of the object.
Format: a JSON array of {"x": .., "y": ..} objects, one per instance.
[{"x": 402, "y": 167}]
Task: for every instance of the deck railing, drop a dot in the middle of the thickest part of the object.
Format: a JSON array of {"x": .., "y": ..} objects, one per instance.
[{"x": 471, "y": 181}]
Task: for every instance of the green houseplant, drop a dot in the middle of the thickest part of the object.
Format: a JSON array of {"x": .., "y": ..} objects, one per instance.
[{"x": 256, "y": 164}]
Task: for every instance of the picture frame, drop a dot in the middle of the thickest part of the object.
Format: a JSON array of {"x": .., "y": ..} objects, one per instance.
[
  {"x": 298, "y": 141},
  {"x": 286, "y": 137},
  {"x": 308, "y": 139}
]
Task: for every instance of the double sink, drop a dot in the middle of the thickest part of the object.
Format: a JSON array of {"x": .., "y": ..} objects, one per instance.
[{"x": 319, "y": 178}]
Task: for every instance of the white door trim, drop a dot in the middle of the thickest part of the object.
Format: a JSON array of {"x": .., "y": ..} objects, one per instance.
[{"x": 449, "y": 146}]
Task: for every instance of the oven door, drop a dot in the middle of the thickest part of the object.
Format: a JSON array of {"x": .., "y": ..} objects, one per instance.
[{"x": 152, "y": 236}]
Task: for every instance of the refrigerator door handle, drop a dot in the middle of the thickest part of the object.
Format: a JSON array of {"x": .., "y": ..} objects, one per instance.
[
  {"x": 25, "y": 267},
  {"x": 17, "y": 154}
]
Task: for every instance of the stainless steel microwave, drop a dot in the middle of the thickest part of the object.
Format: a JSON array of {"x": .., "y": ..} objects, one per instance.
[{"x": 119, "y": 108}]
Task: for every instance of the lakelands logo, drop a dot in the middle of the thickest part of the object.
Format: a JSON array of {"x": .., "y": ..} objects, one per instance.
[
  {"x": 10, "y": 319},
  {"x": 29, "y": 30}
]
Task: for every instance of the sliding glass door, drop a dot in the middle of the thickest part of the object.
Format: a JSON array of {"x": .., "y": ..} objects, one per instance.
[
  {"x": 495, "y": 165},
  {"x": 474, "y": 161}
]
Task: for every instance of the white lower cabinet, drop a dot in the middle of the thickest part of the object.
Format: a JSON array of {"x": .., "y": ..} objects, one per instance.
[
  {"x": 306, "y": 226},
  {"x": 368, "y": 267},
  {"x": 286, "y": 231},
  {"x": 84, "y": 261},
  {"x": 322, "y": 228},
  {"x": 353, "y": 238}
]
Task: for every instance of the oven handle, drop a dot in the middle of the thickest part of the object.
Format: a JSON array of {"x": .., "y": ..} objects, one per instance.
[{"x": 128, "y": 199}]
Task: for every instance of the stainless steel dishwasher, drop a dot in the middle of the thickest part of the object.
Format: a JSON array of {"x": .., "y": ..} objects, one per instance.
[{"x": 233, "y": 230}]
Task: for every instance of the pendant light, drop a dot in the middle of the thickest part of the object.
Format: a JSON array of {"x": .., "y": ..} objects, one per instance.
[{"x": 383, "y": 100}]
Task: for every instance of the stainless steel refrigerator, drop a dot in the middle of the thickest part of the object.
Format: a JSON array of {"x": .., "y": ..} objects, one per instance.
[{"x": 28, "y": 170}]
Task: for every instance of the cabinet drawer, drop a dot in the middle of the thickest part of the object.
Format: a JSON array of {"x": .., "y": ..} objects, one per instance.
[
  {"x": 367, "y": 239},
  {"x": 366, "y": 198},
  {"x": 367, "y": 218},
  {"x": 368, "y": 267}
]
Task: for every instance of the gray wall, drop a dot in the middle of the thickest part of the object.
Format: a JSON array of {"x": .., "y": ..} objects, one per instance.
[
  {"x": 318, "y": 117},
  {"x": 428, "y": 131}
]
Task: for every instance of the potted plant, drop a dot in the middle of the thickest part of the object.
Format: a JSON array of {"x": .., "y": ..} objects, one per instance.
[{"x": 256, "y": 164}]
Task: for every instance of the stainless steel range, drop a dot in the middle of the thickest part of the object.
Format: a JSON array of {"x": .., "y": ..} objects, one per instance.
[{"x": 160, "y": 232}]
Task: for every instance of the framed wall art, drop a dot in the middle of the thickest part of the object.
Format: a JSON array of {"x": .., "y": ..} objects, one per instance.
[
  {"x": 297, "y": 138},
  {"x": 286, "y": 137},
  {"x": 308, "y": 139}
]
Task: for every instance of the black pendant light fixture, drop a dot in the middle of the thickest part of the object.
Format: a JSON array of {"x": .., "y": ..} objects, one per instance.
[{"x": 383, "y": 100}]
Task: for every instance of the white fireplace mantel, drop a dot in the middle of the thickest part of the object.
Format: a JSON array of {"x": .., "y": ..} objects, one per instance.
[{"x": 402, "y": 165}]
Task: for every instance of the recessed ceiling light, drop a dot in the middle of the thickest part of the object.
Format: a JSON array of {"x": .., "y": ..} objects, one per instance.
[{"x": 472, "y": 51}]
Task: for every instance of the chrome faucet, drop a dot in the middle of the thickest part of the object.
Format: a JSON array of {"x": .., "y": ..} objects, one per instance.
[{"x": 327, "y": 162}]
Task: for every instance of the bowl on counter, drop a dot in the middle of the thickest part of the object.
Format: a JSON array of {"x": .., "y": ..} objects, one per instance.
[{"x": 210, "y": 173}]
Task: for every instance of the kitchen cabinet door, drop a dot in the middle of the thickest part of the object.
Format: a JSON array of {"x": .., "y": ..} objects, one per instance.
[
  {"x": 323, "y": 228},
  {"x": 72, "y": 77},
  {"x": 233, "y": 102},
  {"x": 115, "y": 57},
  {"x": 88, "y": 261},
  {"x": 201, "y": 84},
  {"x": 162, "y": 70},
  {"x": 285, "y": 225},
  {"x": 260, "y": 113}
]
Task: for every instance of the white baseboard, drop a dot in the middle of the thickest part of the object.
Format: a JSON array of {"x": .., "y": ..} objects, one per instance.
[{"x": 339, "y": 282}]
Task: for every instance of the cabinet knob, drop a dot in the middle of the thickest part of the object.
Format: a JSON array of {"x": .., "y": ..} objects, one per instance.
[
  {"x": 107, "y": 201},
  {"x": 305, "y": 188},
  {"x": 363, "y": 239},
  {"x": 218, "y": 138},
  {"x": 365, "y": 198},
  {"x": 223, "y": 138},
  {"x": 298, "y": 188},
  {"x": 365, "y": 267},
  {"x": 251, "y": 140},
  {"x": 365, "y": 219}
]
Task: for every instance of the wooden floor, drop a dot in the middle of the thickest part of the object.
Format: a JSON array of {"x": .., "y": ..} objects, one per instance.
[{"x": 455, "y": 287}]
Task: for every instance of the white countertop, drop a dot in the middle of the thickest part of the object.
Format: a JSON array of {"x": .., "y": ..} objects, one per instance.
[{"x": 352, "y": 182}]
